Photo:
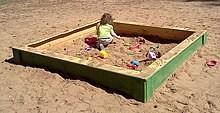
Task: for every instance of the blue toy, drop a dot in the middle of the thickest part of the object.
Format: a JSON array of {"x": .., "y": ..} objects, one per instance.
[{"x": 135, "y": 63}]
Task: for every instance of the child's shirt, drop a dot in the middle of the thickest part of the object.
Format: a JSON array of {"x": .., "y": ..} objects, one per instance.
[{"x": 104, "y": 31}]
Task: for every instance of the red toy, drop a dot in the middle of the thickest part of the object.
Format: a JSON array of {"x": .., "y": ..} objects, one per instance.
[
  {"x": 137, "y": 44},
  {"x": 211, "y": 63},
  {"x": 134, "y": 64},
  {"x": 91, "y": 40}
]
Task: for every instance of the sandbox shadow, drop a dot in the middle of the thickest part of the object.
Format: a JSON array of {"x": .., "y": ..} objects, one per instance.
[
  {"x": 157, "y": 39},
  {"x": 69, "y": 76},
  {"x": 153, "y": 38},
  {"x": 207, "y": 2}
]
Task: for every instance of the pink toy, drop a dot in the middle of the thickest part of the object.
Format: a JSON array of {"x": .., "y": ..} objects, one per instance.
[
  {"x": 211, "y": 63},
  {"x": 137, "y": 44}
]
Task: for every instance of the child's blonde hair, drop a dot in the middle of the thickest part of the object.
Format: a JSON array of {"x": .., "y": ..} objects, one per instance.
[{"x": 106, "y": 19}]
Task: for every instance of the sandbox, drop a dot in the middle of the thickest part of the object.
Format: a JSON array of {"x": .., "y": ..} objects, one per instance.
[{"x": 64, "y": 52}]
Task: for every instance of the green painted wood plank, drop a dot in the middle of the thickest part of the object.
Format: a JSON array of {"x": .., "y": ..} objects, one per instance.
[
  {"x": 128, "y": 85},
  {"x": 17, "y": 56},
  {"x": 139, "y": 92},
  {"x": 204, "y": 38},
  {"x": 148, "y": 89},
  {"x": 159, "y": 76}
]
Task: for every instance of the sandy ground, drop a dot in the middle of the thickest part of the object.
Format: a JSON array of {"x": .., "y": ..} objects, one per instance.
[
  {"x": 193, "y": 87},
  {"x": 118, "y": 53}
]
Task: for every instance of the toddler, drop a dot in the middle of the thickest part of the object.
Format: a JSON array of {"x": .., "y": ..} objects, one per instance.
[{"x": 105, "y": 31}]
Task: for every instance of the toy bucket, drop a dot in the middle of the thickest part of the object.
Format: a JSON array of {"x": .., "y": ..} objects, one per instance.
[{"x": 91, "y": 40}]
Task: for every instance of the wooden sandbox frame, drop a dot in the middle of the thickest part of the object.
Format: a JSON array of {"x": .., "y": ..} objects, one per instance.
[{"x": 138, "y": 84}]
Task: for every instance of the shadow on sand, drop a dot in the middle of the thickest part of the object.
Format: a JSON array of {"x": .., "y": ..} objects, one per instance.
[
  {"x": 68, "y": 76},
  {"x": 207, "y": 2}
]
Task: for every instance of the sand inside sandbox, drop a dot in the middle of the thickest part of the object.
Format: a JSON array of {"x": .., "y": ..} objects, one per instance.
[{"x": 118, "y": 54}]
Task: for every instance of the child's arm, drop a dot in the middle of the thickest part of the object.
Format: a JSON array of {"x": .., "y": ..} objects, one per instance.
[
  {"x": 114, "y": 34},
  {"x": 97, "y": 28}
]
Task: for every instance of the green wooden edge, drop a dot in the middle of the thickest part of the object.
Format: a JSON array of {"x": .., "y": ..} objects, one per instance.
[
  {"x": 128, "y": 85},
  {"x": 161, "y": 74}
]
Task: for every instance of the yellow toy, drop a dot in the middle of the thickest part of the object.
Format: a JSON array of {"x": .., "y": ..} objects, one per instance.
[
  {"x": 103, "y": 54},
  {"x": 90, "y": 58}
]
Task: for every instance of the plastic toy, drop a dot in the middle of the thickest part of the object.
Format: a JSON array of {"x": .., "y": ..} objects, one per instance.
[
  {"x": 89, "y": 58},
  {"x": 154, "y": 48},
  {"x": 152, "y": 53},
  {"x": 133, "y": 64},
  {"x": 91, "y": 40},
  {"x": 127, "y": 44},
  {"x": 130, "y": 65},
  {"x": 211, "y": 63},
  {"x": 103, "y": 54},
  {"x": 137, "y": 44},
  {"x": 88, "y": 48}
]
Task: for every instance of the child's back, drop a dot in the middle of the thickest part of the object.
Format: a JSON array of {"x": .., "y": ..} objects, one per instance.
[{"x": 105, "y": 31}]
